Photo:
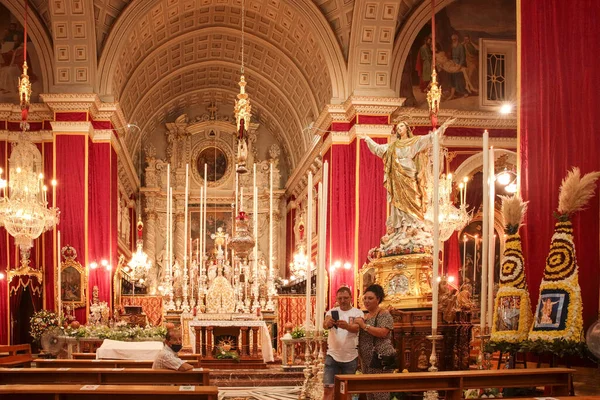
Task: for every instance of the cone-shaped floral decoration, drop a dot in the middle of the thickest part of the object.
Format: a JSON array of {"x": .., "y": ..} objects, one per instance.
[
  {"x": 559, "y": 310},
  {"x": 512, "y": 307}
]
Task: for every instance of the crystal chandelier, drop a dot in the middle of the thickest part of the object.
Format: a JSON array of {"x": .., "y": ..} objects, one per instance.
[
  {"x": 299, "y": 264},
  {"x": 451, "y": 218},
  {"x": 24, "y": 210},
  {"x": 140, "y": 263}
]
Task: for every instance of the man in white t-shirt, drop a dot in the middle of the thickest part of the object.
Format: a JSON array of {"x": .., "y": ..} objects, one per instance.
[{"x": 342, "y": 343}]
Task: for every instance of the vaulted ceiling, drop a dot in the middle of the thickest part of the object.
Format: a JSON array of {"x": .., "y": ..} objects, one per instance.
[{"x": 160, "y": 57}]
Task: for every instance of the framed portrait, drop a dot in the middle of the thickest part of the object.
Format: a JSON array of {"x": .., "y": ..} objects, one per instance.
[
  {"x": 551, "y": 311},
  {"x": 73, "y": 283},
  {"x": 509, "y": 312},
  {"x": 216, "y": 163}
]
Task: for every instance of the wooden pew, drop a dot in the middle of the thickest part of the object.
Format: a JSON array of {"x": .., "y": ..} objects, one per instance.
[
  {"x": 557, "y": 381},
  {"x": 69, "y": 363},
  {"x": 107, "y": 392},
  {"x": 17, "y": 355},
  {"x": 103, "y": 376}
]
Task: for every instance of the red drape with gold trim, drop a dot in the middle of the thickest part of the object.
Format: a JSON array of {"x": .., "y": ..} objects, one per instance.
[
  {"x": 372, "y": 201},
  {"x": 559, "y": 129},
  {"x": 342, "y": 208},
  {"x": 99, "y": 223},
  {"x": 47, "y": 238},
  {"x": 71, "y": 159}
]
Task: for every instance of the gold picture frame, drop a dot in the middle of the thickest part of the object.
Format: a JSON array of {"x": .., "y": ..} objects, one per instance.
[{"x": 73, "y": 284}]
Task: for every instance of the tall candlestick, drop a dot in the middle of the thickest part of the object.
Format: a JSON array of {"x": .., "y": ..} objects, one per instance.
[
  {"x": 200, "y": 231},
  {"x": 309, "y": 247},
  {"x": 475, "y": 258},
  {"x": 436, "y": 231},
  {"x": 168, "y": 234},
  {"x": 185, "y": 219},
  {"x": 59, "y": 269},
  {"x": 322, "y": 231},
  {"x": 269, "y": 276},
  {"x": 492, "y": 241},
  {"x": 205, "y": 207},
  {"x": 256, "y": 303},
  {"x": 236, "y": 191},
  {"x": 485, "y": 231},
  {"x": 464, "y": 268}
]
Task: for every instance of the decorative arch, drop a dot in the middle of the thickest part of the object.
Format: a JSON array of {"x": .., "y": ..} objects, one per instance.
[
  {"x": 473, "y": 163},
  {"x": 266, "y": 115},
  {"x": 148, "y": 97},
  {"x": 137, "y": 11},
  {"x": 40, "y": 38},
  {"x": 407, "y": 35}
]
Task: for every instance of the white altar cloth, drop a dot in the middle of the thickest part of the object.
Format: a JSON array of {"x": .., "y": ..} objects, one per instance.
[
  {"x": 265, "y": 338},
  {"x": 117, "y": 350}
]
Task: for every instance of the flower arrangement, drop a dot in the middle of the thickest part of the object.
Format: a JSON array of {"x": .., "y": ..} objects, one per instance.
[
  {"x": 298, "y": 332},
  {"x": 119, "y": 332},
  {"x": 40, "y": 322}
]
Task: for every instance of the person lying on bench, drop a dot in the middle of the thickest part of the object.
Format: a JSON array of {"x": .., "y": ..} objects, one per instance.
[{"x": 167, "y": 358}]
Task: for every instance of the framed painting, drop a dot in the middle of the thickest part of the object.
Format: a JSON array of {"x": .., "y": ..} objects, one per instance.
[
  {"x": 73, "y": 283},
  {"x": 216, "y": 217},
  {"x": 216, "y": 163}
]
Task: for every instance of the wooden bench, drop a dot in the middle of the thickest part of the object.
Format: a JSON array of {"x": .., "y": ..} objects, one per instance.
[
  {"x": 557, "y": 381},
  {"x": 68, "y": 363},
  {"x": 92, "y": 356},
  {"x": 108, "y": 392},
  {"x": 102, "y": 376},
  {"x": 17, "y": 355}
]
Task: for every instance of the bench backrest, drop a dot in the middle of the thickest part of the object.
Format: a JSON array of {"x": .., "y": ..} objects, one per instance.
[
  {"x": 17, "y": 355},
  {"x": 69, "y": 363}
]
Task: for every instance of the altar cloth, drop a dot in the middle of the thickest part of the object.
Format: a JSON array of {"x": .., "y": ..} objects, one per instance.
[{"x": 118, "y": 350}]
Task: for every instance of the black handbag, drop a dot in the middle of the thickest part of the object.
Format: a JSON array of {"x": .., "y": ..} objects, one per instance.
[{"x": 379, "y": 361}]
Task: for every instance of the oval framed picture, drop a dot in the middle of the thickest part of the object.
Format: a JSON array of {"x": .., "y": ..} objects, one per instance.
[{"x": 216, "y": 162}]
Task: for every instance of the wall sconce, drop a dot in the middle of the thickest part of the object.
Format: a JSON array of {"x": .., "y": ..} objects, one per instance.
[{"x": 103, "y": 263}]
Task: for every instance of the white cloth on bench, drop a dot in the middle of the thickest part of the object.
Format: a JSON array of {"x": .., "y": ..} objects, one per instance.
[{"x": 117, "y": 350}]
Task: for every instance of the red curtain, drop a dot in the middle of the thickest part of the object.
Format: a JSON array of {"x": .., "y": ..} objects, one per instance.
[
  {"x": 99, "y": 219},
  {"x": 372, "y": 201},
  {"x": 47, "y": 238},
  {"x": 559, "y": 91},
  {"x": 342, "y": 207},
  {"x": 71, "y": 160},
  {"x": 114, "y": 217},
  {"x": 452, "y": 261},
  {"x": 4, "y": 260}
]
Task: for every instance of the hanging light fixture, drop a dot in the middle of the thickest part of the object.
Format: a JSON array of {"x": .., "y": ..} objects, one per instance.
[
  {"x": 140, "y": 263},
  {"x": 242, "y": 110},
  {"x": 451, "y": 218},
  {"x": 24, "y": 210}
]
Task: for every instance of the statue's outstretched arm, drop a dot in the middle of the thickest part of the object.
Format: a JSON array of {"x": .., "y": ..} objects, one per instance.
[{"x": 377, "y": 149}]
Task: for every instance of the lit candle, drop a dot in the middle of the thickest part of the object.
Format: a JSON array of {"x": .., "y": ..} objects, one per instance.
[
  {"x": 485, "y": 231},
  {"x": 322, "y": 229},
  {"x": 309, "y": 195},
  {"x": 464, "y": 271},
  {"x": 205, "y": 207},
  {"x": 465, "y": 180},
  {"x": 492, "y": 239},
  {"x": 168, "y": 234},
  {"x": 436, "y": 231},
  {"x": 270, "y": 221},
  {"x": 185, "y": 221},
  {"x": 59, "y": 300},
  {"x": 236, "y": 191}
]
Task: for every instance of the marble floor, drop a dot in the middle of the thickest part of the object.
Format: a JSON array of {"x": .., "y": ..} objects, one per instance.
[{"x": 259, "y": 393}]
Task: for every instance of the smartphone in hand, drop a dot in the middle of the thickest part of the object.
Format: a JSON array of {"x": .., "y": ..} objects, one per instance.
[{"x": 335, "y": 315}]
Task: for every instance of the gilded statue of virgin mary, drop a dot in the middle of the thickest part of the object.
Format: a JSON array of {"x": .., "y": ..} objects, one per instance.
[{"x": 406, "y": 176}]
